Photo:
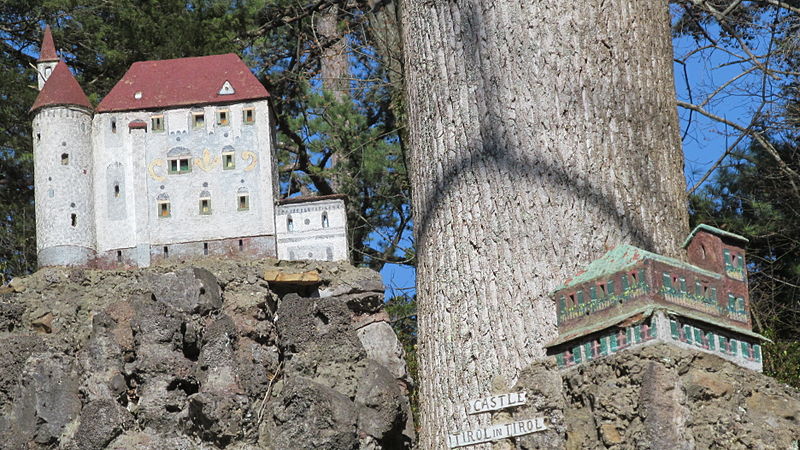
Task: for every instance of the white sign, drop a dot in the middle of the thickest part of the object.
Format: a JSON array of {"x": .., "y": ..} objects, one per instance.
[
  {"x": 496, "y": 432},
  {"x": 496, "y": 402}
]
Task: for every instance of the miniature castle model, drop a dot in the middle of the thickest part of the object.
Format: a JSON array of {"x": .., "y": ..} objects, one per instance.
[
  {"x": 177, "y": 160},
  {"x": 631, "y": 297}
]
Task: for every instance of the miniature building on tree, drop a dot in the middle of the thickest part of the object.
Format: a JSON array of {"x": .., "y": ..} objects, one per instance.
[
  {"x": 177, "y": 160},
  {"x": 631, "y": 297}
]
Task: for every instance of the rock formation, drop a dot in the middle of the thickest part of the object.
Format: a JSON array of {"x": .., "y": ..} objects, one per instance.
[
  {"x": 204, "y": 354},
  {"x": 658, "y": 397}
]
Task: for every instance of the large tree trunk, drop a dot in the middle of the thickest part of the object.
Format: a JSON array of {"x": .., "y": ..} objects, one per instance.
[
  {"x": 334, "y": 66},
  {"x": 542, "y": 133}
]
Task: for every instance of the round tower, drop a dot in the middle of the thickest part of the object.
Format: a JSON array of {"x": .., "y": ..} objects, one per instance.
[{"x": 62, "y": 158}]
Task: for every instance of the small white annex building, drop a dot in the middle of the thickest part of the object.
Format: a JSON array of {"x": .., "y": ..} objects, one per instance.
[{"x": 177, "y": 160}]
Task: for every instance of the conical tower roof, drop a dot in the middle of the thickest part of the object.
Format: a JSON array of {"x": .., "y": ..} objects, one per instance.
[
  {"x": 47, "y": 52},
  {"x": 61, "y": 89}
]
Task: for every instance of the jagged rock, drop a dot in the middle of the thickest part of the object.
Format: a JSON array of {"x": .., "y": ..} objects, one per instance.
[
  {"x": 382, "y": 411},
  {"x": 149, "y": 439},
  {"x": 381, "y": 344},
  {"x": 10, "y": 316},
  {"x": 17, "y": 285},
  {"x": 169, "y": 357},
  {"x": 45, "y": 401},
  {"x": 217, "y": 417},
  {"x": 542, "y": 383},
  {"x": 190, "y": 290},
  {"x": 14, "y": 351},
  {"x": 308, "y": 415},
  {"x": 660, "y": 397},
  {"x": 100, "y": 422},
  {"x": 319, "y": 342}
]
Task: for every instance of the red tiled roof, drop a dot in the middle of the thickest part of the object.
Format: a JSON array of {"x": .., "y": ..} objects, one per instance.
[
  {"x": 61, "y": 88},
  {"x": 48, "y": 50},
  {"x": 183, "y": 82}
]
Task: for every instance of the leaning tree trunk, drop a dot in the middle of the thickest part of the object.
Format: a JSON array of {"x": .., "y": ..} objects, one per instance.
[{"x": 542, "y": 133}]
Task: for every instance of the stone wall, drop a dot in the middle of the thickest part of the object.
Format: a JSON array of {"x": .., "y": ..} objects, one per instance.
[
  {"x": 659, "y": 397},
  {"x": 202, "y": 355}
]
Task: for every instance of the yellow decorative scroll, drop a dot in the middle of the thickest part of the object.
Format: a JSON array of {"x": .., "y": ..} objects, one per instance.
[
  {"x": 207, "y": 162},
  {"x": 152, "y": 172},
  {"x": 252, "y": 157}
]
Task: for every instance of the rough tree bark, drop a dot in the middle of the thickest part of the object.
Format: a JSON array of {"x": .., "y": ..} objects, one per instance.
[
  {"x": 541, "y": 135},
  {"x": 334, "y": 66}
]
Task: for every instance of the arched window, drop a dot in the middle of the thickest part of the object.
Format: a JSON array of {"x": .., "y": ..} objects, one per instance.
[
  {"x": 325, "y": 223},
  {"x": 179, "y": 160},
  {"x": 164, "y": 207},
  {"x": 289, "y": 224}
]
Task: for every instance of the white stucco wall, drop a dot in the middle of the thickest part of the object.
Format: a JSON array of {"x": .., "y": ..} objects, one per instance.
[
  {"x": 63, "y": 190},
  {"x": 140, "y": 158},
  {"x": 308, "y": 239}
]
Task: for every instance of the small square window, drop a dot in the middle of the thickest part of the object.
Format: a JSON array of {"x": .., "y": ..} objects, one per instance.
[
  {"x": 65, "y": 159},
  {"x": 243, "y": 202},
  {"x": 228, "y": 161},
  {"x": 223, "y": 117},
  {"x": 205, "y": 206},
  {"x": 180, "y": 165},
  {"x": 157, "y": 123},
  {"x": 163, "y": 209},
  {"x": 198, "y": 119},
  {"x": 249, "y": 116}
]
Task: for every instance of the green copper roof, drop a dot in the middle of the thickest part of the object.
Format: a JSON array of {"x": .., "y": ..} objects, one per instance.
[
  {"x": 713, "y": 230},
  {"x": 624, "y": 257}
]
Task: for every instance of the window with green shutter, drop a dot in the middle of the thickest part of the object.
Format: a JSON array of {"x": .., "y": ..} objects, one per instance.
[
  {"x": 698, "y": 337},
  {"x": 673, "y": 328},
  {"x": 610, "y": 287},
  {"x": 576, "y": 355}
]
